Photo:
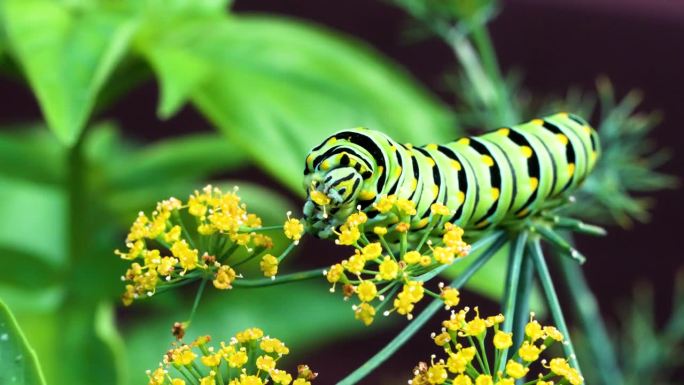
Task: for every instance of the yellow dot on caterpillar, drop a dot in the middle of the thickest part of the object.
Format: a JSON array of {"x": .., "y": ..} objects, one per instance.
[
  {"x": 435, "y": 191},
  {"x": 594, "y": 155},
  {"x": 414, "y": 184},
  {"x": 464, "y": 141},
  {"x": 431, "y": 162},
  {"x": 563, "y": 114},
  {"x": 523, "y": 213},
  {"x": 495, "y": 193},
  {"x": 488, "y": 160},
  {"x": 380, "y": 170},
  {"x": 534, "y": 183},
  {"x": 571, "y": 168},
  {"x": 309, "y": 158},
  {"x": 393, "y": 148},
  {"x": 482, "y": 224},
  {"x": 409, "y": 146},
  {"x": 325, "y": 165},
  {"x": 366, "y": 195},
  {"x": 537, "y": 122},
  {"x": 431, "y": 146},
  {"x": 526, "y": 151},
  {"x": 460, "y": 197},
  {"x": 587, "y": 129},
  {"x": 503, "y": 131},
  {"x": 331, "y": 140},
  {"x": 563, "y": 139},
  {"x": 397, "y": 171},
  {"x": 456, "y": 165},
  {"x": 422, "y": 223}
]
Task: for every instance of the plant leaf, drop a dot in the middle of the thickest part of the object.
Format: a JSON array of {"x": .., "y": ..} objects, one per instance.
[
  {"x": 279, "y": 87},
  {"x": 67, "y": 52},
  {"x": 18, "y": 362}
]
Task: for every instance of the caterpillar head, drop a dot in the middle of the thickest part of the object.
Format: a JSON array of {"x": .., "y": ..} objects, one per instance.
[{"x": 331, "y": 198}]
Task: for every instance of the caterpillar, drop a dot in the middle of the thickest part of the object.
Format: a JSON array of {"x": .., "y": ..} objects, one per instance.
[{"x": 495, "y": 179}]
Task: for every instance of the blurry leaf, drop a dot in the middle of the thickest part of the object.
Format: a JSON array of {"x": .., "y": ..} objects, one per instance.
[
  {"x": 30, "y": 153},
  {"x": 106, "y": 331},
  {"x": 67, "y": 53},
  {"x": 319, "y": 317},
  {"x": 277, "y": 88},
  {"x": 23, "y": 270},
  {"x": 18, "y": 363},
  {"x": 33, "y": 219},
  {"x": 178, "y": 158}
]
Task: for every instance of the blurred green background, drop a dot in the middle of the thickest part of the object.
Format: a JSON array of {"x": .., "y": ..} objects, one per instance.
[{"x": 110, "y": 106}]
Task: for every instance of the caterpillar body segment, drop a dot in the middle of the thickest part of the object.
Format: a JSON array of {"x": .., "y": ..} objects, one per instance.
[{"x": 490, "y": 180}]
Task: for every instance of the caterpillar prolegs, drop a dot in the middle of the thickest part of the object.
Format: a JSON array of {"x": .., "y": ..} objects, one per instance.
[{"x": 490, "y": 180}]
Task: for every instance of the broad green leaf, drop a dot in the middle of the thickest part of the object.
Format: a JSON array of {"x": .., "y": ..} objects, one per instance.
[
  {"x": 278, "y": 87},
  {"x": 67, "y": 52},
  {"x": 33, "y": 219},
  {"x": 28, "y": 152},
  {"x": 18, "y": 363},
  {"x": 303, "y": 315}
]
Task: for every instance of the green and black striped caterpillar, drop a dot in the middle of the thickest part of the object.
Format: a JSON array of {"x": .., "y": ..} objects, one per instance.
[{"x": 490, "y": 180}]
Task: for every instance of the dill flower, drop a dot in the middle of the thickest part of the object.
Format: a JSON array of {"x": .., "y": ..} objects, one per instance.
[
  {"x": 206, "y": 237},
  {"x": 384, "y": 273},
  {"x": 472, "y": 359},
  {"x": 248, "y": 358}
]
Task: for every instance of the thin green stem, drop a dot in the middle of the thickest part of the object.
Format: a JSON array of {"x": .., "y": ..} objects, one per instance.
[
  {"x": 279, "y": 280},
  {"x": 552, "y": 299},
  {"x": 521, "y": 313},
  {"x": 287, "y": 251},
  {"x": 512, "y": 279},
  {"x": 415, "y": 325},
  {"x": 586, "y": 310},
  {"x": 198, "y": 296},
  {"x": 560, "y": 243}
]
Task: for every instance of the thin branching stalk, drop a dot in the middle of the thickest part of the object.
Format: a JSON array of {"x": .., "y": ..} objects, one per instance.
[
  {"x": 537, "y": 256},
  {"x": 515, "y": 260},
  {"x": 586, "y": 309}
]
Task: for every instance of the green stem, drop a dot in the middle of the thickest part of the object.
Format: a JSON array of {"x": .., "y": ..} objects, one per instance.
[
  {"x": 592, "y": 324},
  {"x": 552, "y": 299},
  {"x": 560, "y": 243},
  {"x": 415, "y": 325},
  {"x": 521, "y": 313},
  {"x": 198, "y": 296},
  {"x": 512, "y": 279},
  {"x": 279, "y": 280}
]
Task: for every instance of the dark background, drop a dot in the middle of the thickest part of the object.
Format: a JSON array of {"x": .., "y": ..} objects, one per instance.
[{"x": 557, "y": 44}]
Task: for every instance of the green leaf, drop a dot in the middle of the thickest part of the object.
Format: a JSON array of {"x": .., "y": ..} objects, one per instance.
[
  {"x": 324, "y": 317},
  {"x": 18, "y": 362},
  {"x": 67, "y": 52},
  {"x": 277, "y": 87},
  {"x": 28, "y": 152},
  {"x": 33, "y": 219}
]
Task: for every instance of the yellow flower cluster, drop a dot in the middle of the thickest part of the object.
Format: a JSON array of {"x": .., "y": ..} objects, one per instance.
[
  {"x": 249, "y": 358},
  {"x": 204, "y": 237},
  {"x": 469, "y": 362},
  {"x": 387, "y": 264}
]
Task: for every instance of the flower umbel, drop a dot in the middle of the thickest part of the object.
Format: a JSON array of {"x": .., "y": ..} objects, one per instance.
[
  {"x": 469, "y": 354},
  {"x": 385, "y": 271},
  {"x": 249, "y": 358},
  {"x": 206, "y": 237}
]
